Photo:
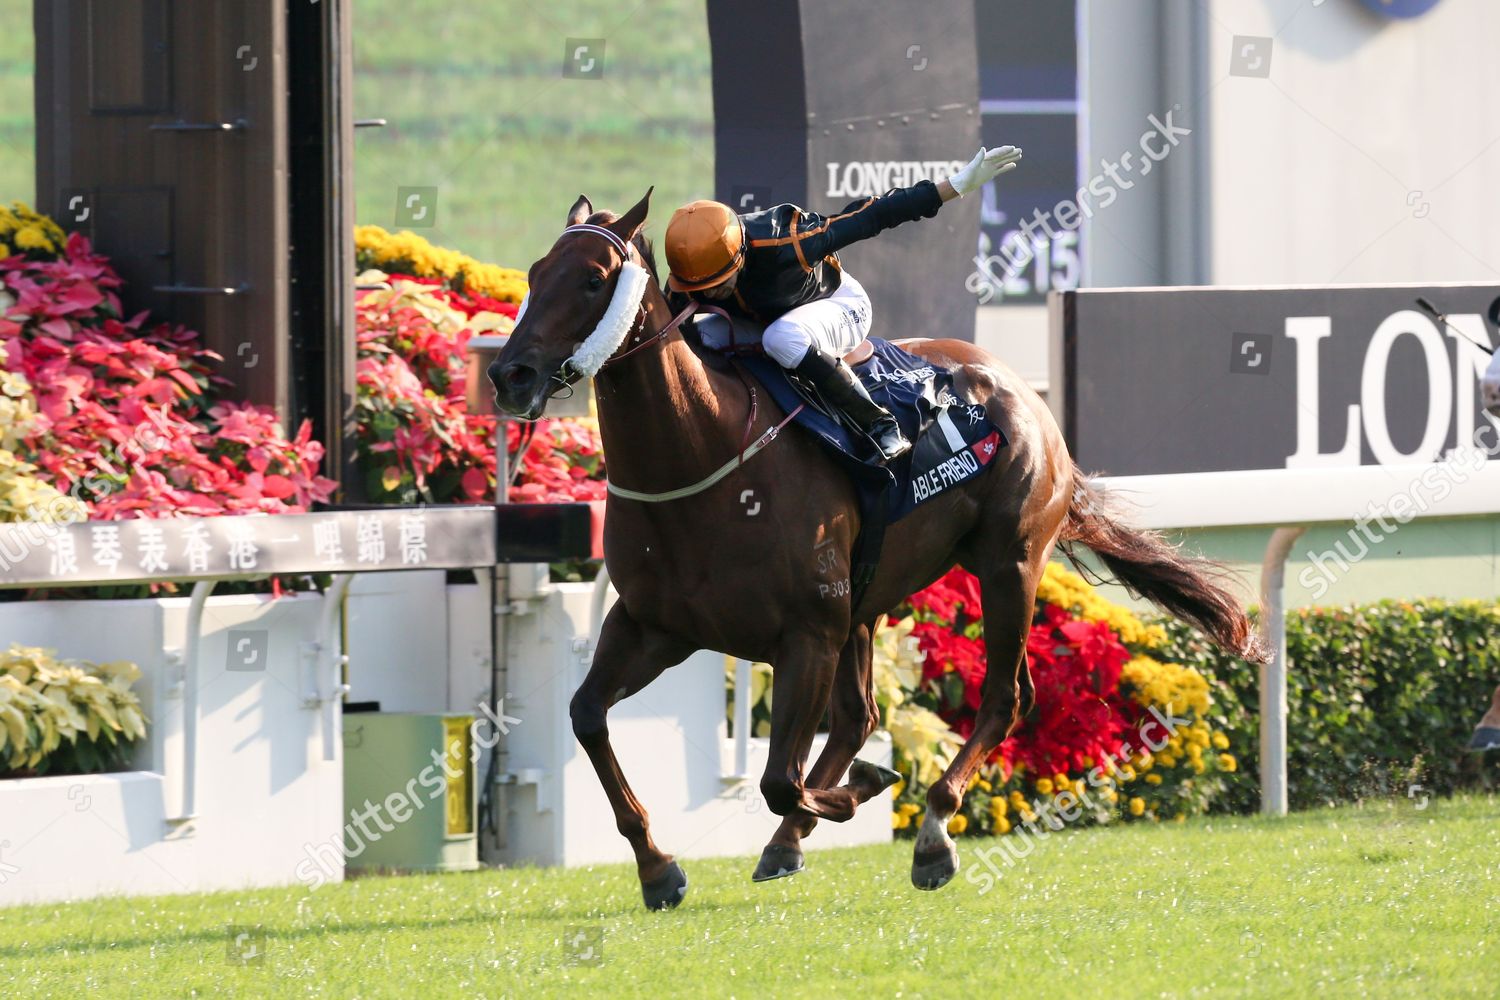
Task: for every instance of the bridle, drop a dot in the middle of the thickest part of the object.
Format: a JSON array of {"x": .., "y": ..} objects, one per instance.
[{"x": 569, "y": 373}]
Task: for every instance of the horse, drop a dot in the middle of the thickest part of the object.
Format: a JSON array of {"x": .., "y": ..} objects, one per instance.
[{"x": 746, "y": 550}]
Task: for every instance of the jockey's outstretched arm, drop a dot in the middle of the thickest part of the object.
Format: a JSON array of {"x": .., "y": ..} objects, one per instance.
[
  {"x": 819, "y": 236},
  {"x": 813, "y": 311}
]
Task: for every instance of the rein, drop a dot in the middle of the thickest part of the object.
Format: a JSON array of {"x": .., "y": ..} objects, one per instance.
[
  {"x": 734, "y": 463},
  {"x": 748, "y": 448},
  {"x": 655, "y": 338}
]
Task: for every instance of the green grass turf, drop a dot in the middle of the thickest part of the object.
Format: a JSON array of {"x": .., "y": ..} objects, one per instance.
[
  {"x": 17, "y": 110},
  {"x": 479, "y": 108},
  {"x": 1381, "y": 900}
]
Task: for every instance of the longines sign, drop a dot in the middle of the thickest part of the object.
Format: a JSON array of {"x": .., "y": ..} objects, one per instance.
[
  {"x": 1163, "y": 380},
  {"x": 867, "y": 179}
]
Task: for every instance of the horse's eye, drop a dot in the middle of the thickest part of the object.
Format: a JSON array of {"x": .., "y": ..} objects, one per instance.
[{"x": 596, "y": 282}]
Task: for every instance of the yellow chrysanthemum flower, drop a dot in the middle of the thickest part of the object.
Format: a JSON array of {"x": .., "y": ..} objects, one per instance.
[
  {"x": 1220, "y": 741},
  {"x": 1137, "y": 806},
  {"x": 1166, "y": 685},
  {"x": 1153, "y": 779},
  {"x": 408, "y": 253},
  {"x": 958, "y": 824},
  {"x": 32, "y": 238},
  {"x": 1228, "y": 763},
  {"x": 1068, "y": 590},
  {"x": 1044, "y": 786}
]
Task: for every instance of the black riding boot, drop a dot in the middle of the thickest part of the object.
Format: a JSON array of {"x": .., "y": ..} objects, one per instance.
[{"x": 843, "y": 390}]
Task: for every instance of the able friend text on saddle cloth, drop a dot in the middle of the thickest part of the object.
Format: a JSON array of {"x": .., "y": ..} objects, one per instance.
[{"x": 955, "y": 440}]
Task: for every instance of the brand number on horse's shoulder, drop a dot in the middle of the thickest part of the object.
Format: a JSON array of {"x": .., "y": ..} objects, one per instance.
[{"x": 838, "y": 588}]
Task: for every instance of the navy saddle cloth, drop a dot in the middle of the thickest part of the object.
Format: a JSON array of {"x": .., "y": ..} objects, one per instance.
[{"x": 954, "y": 441}]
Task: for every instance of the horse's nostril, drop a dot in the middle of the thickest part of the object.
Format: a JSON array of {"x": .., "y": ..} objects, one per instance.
[{"x": 520, "y": 376}]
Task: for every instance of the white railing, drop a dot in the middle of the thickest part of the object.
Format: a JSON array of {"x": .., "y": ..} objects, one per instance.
[{"x": 1288, "y": 501}]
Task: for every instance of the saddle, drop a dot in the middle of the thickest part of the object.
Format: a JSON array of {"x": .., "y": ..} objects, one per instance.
[
  {"x": 953, "y": 441},
  {"x": 860, "y": 354}
]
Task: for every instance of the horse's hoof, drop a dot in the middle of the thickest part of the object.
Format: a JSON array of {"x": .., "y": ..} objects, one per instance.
[
  {"x": 934, "y": 868},
  {"x": 869, "y": 775},
  {"x": 666, "y": 891},
  {"x": 777, "y": 862}
]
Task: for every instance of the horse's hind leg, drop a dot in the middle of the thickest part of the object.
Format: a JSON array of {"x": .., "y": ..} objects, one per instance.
[
  {"x": 1009, "y": 596},
  {"x": 629, "y": 656},
  {"x": 853, "y": 716}
]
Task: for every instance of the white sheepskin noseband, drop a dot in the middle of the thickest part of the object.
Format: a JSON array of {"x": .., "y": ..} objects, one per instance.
[
  {"x": 618, "y": 319},
  {"x": 614, "y": 327}
]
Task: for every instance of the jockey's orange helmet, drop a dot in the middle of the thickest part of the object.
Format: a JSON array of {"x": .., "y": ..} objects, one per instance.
[{"x": 705, "y": 245}]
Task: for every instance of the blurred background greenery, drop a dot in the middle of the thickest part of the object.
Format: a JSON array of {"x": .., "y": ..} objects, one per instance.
[
  {"x": 17, "y": 114},
  {"x": 480, "y": 109}
]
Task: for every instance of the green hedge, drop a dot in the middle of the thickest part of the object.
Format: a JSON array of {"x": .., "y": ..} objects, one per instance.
[{"x": 1380, "y": 697}]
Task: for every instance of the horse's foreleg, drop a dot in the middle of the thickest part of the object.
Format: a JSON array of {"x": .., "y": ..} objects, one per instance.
[
  {"x": 1009, "y": 595},
  {"x": 804, "y": 671},
  {"x": 853, "y": 716},
  {"x": 629, "y": 656}
]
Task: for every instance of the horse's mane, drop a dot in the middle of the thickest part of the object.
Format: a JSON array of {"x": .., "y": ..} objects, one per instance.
[{"x": 648, "y": 253}]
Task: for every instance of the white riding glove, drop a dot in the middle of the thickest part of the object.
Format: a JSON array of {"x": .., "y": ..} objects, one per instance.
[
  {"x": 1490, "y": 385},
  {"x": 985, "y": 167}
]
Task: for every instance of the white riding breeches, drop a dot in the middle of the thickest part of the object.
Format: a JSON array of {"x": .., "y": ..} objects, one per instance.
[{"x": 836, "y": 325}]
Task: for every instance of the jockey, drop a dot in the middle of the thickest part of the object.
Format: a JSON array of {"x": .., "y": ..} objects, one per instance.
[{"x": 779, "y": 268}]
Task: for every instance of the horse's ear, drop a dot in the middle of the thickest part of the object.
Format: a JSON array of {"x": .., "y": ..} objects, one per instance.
[
  {"x": 581, "y": 210},
  {"x": 631, "y": 222}
]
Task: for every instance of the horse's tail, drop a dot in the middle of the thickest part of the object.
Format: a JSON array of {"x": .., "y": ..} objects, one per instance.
[{"x": 1147, "y": 565}]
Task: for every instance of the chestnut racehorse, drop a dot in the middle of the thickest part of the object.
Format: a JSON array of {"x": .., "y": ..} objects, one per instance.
[{"x": 756, "y": 565}]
